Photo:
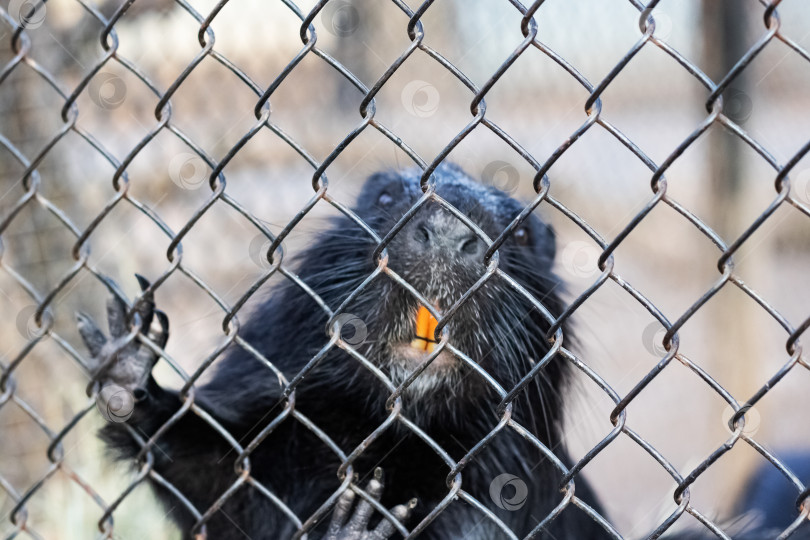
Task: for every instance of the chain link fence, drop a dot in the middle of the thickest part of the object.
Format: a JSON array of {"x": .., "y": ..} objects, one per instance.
[{"x": 136, "y": 138}]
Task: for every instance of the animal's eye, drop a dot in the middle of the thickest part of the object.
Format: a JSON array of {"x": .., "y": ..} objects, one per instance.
[
  {"x": 385, "y": 199},
  {"x": 521, "y": 236}
]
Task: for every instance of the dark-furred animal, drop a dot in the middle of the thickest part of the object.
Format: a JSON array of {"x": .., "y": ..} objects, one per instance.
[{"x": 497, "y": 328}]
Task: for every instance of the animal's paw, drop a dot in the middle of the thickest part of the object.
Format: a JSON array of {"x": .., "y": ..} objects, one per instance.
[
  {"x": 123, "y": 369},
  {"x": 343, "y": 527}
]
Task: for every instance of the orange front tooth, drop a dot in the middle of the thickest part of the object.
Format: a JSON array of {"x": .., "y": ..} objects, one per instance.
[
  {"x": 423, "y": 323},
  {"x": 425, "y": 329},
  {"x": 430, "y": 346},
  {"x": 431, "y": 332}
]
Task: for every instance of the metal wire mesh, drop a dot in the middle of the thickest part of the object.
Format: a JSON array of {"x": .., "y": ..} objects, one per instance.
[{"x": 19, "y": 20}]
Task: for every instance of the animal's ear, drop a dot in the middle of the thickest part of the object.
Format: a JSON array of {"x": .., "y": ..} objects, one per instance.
[{"x": 381, "y": 188}]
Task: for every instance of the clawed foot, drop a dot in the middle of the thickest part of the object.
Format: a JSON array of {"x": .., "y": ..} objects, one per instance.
[
  {"x": 124, "y": 373},
  {"x": 357, "y": 526}
]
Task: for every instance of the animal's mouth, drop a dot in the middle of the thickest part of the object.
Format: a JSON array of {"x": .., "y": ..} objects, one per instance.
[{"x": 423, "y": 344}]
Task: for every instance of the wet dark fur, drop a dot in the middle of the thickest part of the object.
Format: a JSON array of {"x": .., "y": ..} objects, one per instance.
[{"x": 497, "y": 328}]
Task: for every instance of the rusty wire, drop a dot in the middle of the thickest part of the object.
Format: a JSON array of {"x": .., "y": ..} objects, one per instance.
[{"x": 22, "y": 47}]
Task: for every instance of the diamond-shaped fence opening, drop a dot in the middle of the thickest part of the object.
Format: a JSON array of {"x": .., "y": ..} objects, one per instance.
[{"x": 206, "y": 145}]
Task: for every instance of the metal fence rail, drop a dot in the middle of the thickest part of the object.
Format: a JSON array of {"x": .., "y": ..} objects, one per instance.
[{"x": 19, "y": 18}]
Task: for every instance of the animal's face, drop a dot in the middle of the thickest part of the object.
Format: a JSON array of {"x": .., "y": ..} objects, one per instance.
[
  {"x": 442, "y": 258},
  {"x": 387, "y": 196}
]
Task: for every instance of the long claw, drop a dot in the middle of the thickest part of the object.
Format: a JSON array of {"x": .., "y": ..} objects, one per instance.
[
  {"x": 94, "y": 339},
  {"x": 146, "y": 305},
  {"x": 142, "y": 281},
  {"x": 116, "y": 317},
  {"x": 161, "y": 336}
]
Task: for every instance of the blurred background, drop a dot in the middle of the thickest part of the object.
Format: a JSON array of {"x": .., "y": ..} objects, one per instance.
[{"x": 654, "y": 101}]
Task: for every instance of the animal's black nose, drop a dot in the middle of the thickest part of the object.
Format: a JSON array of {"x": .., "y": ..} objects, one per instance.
[{"x": 447, "y": 235}]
